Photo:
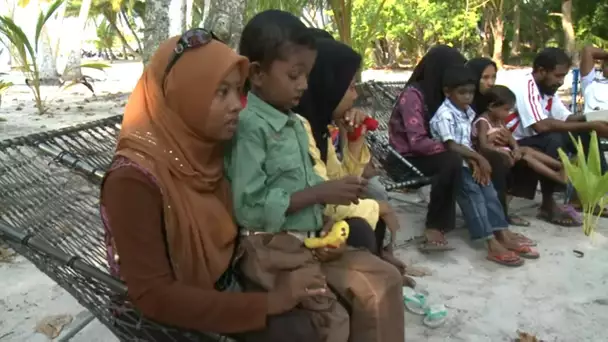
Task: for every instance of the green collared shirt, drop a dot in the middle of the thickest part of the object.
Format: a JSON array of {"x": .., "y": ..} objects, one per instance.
[{"x": 269, "y": 161}]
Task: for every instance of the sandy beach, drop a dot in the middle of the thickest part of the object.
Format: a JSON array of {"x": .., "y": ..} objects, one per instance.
[{"x": 559, "y": 297}]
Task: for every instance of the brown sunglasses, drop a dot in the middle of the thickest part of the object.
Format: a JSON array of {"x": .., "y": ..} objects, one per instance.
[{"x": 193, "y": 38}]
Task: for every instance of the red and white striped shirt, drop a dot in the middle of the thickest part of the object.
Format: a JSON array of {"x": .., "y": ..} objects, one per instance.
[{"x": 532, "y": 107}]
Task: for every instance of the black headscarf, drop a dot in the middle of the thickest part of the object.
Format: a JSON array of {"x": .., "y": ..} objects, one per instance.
[
  {"x": 428, "y": 74},
  {"x": 334, "y": 69},
  {"x": 478, "y": 65}
]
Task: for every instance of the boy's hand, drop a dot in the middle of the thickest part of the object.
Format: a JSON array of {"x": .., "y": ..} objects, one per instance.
[
  {"x": 474, "y": 170},
  {"x": 481, "y": 173},
  {"x": 342, "y": 191},
  {"x": 326, "y": 254},
  {"x": 484, "y": 165}
]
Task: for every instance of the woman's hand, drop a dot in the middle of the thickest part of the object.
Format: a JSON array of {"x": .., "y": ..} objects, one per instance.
[
  {"x": 499, "y": 137},
  {"x": 291, "y": 287}
]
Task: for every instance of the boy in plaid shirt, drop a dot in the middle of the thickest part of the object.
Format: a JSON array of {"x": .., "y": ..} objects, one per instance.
[{"x": 477, "y": 198}]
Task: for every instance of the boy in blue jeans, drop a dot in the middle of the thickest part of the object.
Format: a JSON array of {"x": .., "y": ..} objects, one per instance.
[{"x": 477, "y": 198}]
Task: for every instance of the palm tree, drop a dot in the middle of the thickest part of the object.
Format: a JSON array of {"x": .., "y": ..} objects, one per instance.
[
  {"x": 157, "y": 16},
  {"x": 72, "y": 69}
]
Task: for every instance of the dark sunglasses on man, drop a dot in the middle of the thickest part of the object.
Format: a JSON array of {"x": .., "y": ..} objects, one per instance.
[{"x": 193, "y": 38}]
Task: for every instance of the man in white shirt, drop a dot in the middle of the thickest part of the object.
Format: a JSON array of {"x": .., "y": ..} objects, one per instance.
[
  {"x": 593, "y": 86},
  {"x": 542, "y": 121}
]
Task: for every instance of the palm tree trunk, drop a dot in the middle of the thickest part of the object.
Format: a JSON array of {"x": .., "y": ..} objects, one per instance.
[
  {"x": 157, "y": 26},
  {"x": 47, "y": 66},
  {"x": 515, "y": 43},
  {"x": 189, "y": 11},
  {"x": 177, "y": 17},
  {"x": 226, "y": 19},
  {"x": 568, "y": 26},
  {"x": 72, "y": 69}
]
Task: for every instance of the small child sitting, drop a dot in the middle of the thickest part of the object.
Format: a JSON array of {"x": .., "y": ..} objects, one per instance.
[
  {"x": 481, "y": 208},
  {"x": 501, "y": 102}
]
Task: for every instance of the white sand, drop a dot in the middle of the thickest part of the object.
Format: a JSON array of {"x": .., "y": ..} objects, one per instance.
[{"x": 559, "y": 297}]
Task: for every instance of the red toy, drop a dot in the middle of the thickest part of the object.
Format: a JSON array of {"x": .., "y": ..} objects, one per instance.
[
  {"x": 369, "y": 123},
  {"x": 244, "y": 100}
]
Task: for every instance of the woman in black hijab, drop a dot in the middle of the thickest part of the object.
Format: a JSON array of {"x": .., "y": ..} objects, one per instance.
[
  {"x": 409, "y": 134},
  {"x": 428, "y": 74},
  {"x": 330, "y": 98},
  {"x": 330, "y": 79},
  {"x": 485, "y": 69}
]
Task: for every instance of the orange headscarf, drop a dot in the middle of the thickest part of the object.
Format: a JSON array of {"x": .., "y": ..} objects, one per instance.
[{"x": 165, "y": 134}]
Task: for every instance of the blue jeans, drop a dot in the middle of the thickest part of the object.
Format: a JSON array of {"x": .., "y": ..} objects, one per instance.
[{"x": 482, "y": 210}]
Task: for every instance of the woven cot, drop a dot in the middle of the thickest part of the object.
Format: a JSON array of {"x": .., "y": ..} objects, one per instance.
[{"x": 49, "y": 211}]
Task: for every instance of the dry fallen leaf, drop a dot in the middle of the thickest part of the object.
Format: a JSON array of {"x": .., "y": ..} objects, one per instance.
[
  {"x": 525, "y": 337},
  {"x": 51, "y": 326},
  {"x": 6, "y": 254}
]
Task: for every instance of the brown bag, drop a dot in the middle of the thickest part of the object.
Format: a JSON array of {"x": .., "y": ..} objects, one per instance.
[{"x": 264, "y": 256}]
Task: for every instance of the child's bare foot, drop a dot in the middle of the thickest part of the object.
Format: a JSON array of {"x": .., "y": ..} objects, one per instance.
[
  {"x": 409, "y": 282},
  {"x": 400, "y": 265},
  {"x": 391, "y": 259}
]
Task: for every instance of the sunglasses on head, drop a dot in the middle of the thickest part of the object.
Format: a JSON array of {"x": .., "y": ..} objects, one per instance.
[{"x": 191, "y": 39}]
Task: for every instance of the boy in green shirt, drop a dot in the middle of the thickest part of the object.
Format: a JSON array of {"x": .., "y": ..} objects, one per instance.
[{"x": 279, "y": 198}]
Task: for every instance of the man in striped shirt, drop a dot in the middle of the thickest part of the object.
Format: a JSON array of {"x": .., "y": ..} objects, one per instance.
[{"x": 542, "y": 121}]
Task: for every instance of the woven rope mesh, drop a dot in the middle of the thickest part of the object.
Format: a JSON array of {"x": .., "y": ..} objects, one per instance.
[
  {"x": 377, "y": 99},
  {"x": 92, "y": 142},
  {"x": 47, "y": 204}
]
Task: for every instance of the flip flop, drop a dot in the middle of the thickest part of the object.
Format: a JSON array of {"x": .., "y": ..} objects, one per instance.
[
  {"x": 507, "y": 259},
  {"x": 435, "y": 245},
  {"x": 415, "y": 302},
  {"x": 596, "y": 212},
  {"x": 559, "y": 217},
  {"x": 524, "y": 240},
  {"x": 435, "y": 315},
  {"x": 569, "y": 208},
  {"x": 525, "y": 252},
  {"x": 516, "y": 220}
]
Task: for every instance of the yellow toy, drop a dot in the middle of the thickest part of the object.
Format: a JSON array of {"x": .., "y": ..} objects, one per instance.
[{"x": 334, "y": 239}]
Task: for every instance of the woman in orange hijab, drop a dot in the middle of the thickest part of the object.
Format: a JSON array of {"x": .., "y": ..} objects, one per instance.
[{"x": 166, "y": 204}]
